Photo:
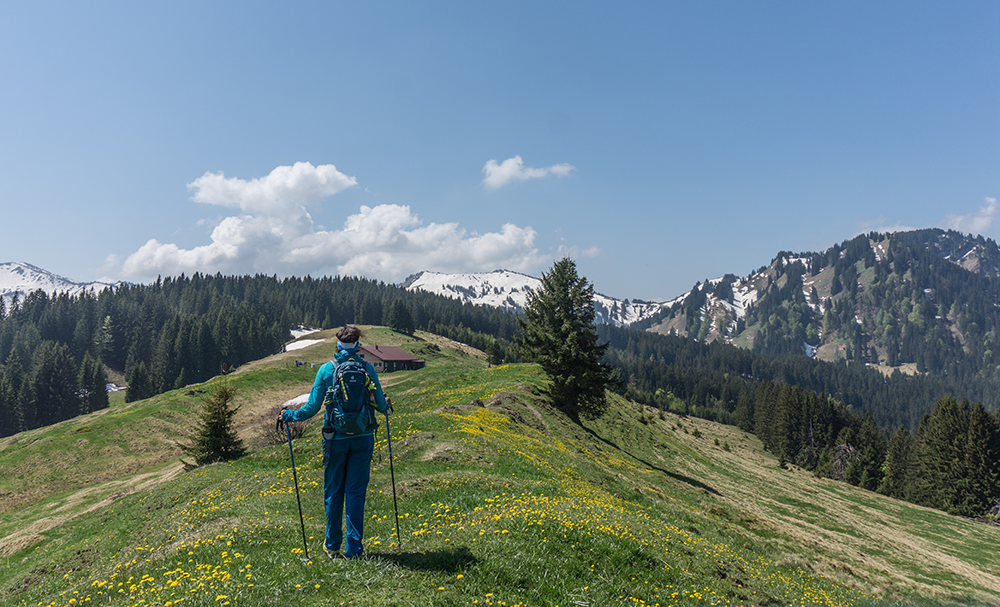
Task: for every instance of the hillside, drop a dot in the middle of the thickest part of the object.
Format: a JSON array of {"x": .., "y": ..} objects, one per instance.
[
  {"x": 502, "y": 501},
  {"x": 921, "y": 301}
]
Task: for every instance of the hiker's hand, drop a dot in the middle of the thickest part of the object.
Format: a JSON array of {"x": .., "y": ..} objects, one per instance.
[{"x": 388, "y": 402}]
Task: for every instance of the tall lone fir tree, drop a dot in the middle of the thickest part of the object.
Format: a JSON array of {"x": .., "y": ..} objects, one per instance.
[{"x": 559, "y": 334}]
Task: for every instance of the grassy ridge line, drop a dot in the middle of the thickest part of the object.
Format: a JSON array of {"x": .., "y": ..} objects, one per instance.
[
  {"x": 890, "y": 547},
  {"x": 505, "y": 503},
  {"x": 50, "y": 475}
]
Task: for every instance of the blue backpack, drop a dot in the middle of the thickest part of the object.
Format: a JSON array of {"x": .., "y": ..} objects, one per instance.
[{"x": 348, "y": 400}]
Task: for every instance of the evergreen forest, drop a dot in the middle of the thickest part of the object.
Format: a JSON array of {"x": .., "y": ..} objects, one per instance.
[
  {"x": 925, "y": 299},
  {"x": 178, "y": 331}
]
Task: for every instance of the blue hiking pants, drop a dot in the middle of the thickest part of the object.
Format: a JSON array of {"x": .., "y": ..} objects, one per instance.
[{"x": 347, "y": 464}]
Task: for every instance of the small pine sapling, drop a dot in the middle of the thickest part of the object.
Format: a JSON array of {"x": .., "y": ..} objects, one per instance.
[{"x": 216, "y": 439}]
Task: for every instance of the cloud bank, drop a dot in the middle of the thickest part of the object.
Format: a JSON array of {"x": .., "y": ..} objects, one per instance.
[
  {"x": 274, "y": 234},
  {"x": 513, "y": 169},
  {"x": 978, "y": 222}
]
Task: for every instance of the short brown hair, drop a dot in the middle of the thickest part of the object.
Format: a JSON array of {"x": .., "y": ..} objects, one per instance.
[{"x": 349, "y": 334}]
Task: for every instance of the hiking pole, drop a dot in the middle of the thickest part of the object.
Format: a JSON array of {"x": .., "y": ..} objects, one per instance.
[
  {"x": 295, "y": 476},
  {"x": 392, "y": 475}
]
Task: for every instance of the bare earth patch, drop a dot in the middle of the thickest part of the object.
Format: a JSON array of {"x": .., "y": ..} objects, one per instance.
[{"x": 83, "y": 501}]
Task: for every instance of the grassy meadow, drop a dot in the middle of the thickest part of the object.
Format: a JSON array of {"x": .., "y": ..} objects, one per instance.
[{"x": 502, "y": 501}]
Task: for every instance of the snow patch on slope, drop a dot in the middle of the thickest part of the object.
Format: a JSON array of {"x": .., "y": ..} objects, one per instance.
[{"x": 509, "y": 290}]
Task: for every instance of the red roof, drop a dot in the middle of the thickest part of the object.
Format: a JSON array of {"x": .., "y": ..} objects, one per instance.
[{"x": 387, "y": 353}]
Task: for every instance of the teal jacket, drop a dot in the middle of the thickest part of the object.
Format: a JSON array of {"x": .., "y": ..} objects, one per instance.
[{"x": 324, "y": 380}]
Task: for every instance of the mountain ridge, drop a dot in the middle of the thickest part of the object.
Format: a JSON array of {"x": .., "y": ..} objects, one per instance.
[
  {"x": 21, "y": 278},
  {"x": 879, "y": 299},
  {"x": 509, "y": 290}
]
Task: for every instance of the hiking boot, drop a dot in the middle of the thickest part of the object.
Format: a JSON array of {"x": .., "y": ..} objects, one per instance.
[{"x": 335, "y": 555}]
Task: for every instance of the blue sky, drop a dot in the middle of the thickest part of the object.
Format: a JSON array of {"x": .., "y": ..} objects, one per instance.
[{"x": 656, "y": 143}]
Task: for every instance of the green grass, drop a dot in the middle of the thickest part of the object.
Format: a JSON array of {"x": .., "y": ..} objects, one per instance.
[{"x": 502, "y": 501}]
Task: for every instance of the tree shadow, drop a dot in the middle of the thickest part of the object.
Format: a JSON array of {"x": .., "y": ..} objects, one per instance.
[
  {"x": 446, "y": 560},
  {"x": 674, "y": 475}
]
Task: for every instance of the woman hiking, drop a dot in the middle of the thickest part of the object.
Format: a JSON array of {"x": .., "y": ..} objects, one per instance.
[{"x": 350, "y": 390}]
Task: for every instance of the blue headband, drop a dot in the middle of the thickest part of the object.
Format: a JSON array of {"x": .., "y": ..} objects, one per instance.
[{"x": 348, "y": 347}]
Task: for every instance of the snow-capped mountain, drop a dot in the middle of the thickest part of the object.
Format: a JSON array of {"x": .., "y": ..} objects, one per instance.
[
  {"x": 23, "y": 278},
  {"x": 509, "y": 290}
]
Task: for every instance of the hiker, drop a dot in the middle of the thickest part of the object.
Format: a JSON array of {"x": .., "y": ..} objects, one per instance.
[{"x": 348, "y": 437}]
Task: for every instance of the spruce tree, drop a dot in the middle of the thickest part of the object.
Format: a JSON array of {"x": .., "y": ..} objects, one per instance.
[
  {"x": 494, "y": 353},
  {"x": 53, "y": 383},
  {"x": 871, "y": 447},
  {"x": 216, "y": 439},
  {"x": 945, "y": 437},
  {"x": 982, "y": 461},
  {"x": 8, "y": 402},
  {"x": 399, "y": 318},
  {"x": 98, "y": 388},
  {"x": 12, "y": 376},
  {"x": 559, "y": 334},
  {"x": 84, "y": 382},
  {"x": 897, "y": 464},
  {"x": 140, "y": 384}
]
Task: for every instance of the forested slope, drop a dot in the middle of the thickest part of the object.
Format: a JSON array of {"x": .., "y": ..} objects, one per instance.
[
  {"x": 503, "y": 500},
  {"x": 183, "y": 330}
]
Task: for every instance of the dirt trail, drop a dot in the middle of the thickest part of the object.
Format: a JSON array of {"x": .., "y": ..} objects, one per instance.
[{"x": 83, "y": 501}]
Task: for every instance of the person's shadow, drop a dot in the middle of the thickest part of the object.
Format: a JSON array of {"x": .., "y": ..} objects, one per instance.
[{"x": 448, "y": 560}]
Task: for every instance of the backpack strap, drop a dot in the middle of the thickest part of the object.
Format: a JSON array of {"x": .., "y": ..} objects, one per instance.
[{"x": 327, "y": 402}]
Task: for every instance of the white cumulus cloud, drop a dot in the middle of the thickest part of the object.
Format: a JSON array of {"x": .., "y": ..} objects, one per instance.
[
  {"x": 978, "y": 222},
  {"x": 273, "y": 233},
  {"x": 284, "y": 189},
  {"x": 513, "y": 169}
]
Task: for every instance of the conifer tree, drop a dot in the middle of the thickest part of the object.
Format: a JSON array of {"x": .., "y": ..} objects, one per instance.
[
  {"x": 12, "y": 419},
  {"x": 871, "y": 446},
  {"x": 559, "y": 334},
  {"x": 98, "y": 382},
  {"x": 399, "y": 317},
  {"x": 945, "y": 438},
  {"x": 897, "y": 464},
  {"x": 494, "y": 353},
  {"x": 53, "y": 383},
  {"x": 103, "y": 339},
  {"x": 84, "y": 382},
  {"x": 983, "y": 461},
  {"x": 140, "y": 384},
  {"x": 8, "y": 403},
  {"x": 216, "y": 439}
]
